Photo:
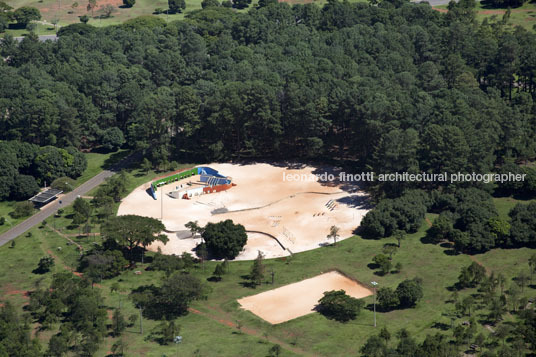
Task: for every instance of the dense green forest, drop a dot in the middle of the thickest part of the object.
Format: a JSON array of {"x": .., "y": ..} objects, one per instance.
[
  {"x": 396, "y": 86},
  {"x": 391, "y": 87}
]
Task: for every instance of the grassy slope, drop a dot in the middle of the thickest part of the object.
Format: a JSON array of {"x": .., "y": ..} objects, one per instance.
[
  {"x": 59, "y": 9},
  {"x": 312, "y": 333},
  {"x": 505, "y": 204},
  {"x": 524, "y": 16}
]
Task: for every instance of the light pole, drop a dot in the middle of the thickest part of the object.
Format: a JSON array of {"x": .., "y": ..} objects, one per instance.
[
  {"x": 374, "y": 285},
  {"x": 162, "y": 204}
]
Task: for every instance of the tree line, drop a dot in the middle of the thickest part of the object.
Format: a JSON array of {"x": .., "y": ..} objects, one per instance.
[
  {"x": 395, "y": 87},
  {"x": 25, "y": 167}
]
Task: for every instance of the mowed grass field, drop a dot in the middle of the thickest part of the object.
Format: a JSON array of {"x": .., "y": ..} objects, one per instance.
[
  {"x": 64, "y": 11},
  {"x": 211, "y": 330},
  {"x": 524, "y": 16},
  {"x": 67, "y": 12}
]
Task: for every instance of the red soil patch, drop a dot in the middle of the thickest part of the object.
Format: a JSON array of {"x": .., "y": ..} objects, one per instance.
[{"x": 63, "y": 12}]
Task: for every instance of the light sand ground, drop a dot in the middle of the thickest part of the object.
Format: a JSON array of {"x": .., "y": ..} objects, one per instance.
[
  {"x": 294, "y": 212},
  {"x": 294, "y": 300}
]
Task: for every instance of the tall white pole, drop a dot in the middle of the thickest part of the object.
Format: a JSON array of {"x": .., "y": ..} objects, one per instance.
[
  {"x": 162, "y": 204},
  {"x": 374, "y": 306},
  {"x": 374, "y": 285}
]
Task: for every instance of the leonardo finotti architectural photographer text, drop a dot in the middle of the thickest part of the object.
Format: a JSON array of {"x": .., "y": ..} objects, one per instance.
[{"x": 406, "y": 177}]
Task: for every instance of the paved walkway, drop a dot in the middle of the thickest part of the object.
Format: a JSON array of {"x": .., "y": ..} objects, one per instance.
[{"x": 66, "y": 200}]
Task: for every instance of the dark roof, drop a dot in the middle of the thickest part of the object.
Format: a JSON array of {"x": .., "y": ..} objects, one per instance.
[{"x": 46, "y": 196}]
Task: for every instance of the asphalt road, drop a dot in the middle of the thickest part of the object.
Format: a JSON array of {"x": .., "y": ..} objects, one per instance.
[
  {"x": 42, "y": 38},
  {"x": 66, "y": 200}
]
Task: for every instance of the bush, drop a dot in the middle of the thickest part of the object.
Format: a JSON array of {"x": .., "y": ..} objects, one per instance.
[
  {"x": 129, "y": 3},
  {"x": 112, "y": 138},
  {"x": 383, "y": 262},
  {"x": 176, "y": 6},
  {"x": 523, "y": 225},
  {"x": 471, "y": 276},
  {"x": 225, "y": 239},
  {"x": 146, "y": 21},
  {"x": 22, "y": 209},
  {"x": 2, "y": 221},
  {"x": 171, "y": 299},
  {"x": 66, "y": 184},
  {"x": 44, "y": 265},
  {"x": 387, "y": 299},
  {"x": 169, "y": 263},
  {"x": 407, "y": 294},
  {"x": 25, "y": 187},
  {"x": 404, "y": 213},
  {"x": 338, "y": 306},
  {"x": 105, "y": 265},
  {"x": 209, "y": 3}
]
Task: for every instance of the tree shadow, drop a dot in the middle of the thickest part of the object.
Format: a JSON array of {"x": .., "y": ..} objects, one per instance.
[
  {"x": 451, "y": 252},
  {"x": 246, "y": 283},
  {"x": 114, "y": 158},
  {"x": 441, "y": 326}
]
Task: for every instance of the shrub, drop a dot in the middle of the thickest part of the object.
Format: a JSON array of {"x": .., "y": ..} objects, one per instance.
[
  {"x": 387, "y": 299},
  {"x": 66, "y": 184},
  {"x": 225, "y": 239},
  {"x": 105, "y": 265},
  {"x": 22, "y": 209},
  {"x": 409, "y": 292},
  {"x": 404, "y": 213},
  {"x": 25, "y": 187},
  {"x": 44, "y": 265},
  {"x": 113, "y": 138},
  {"x": 338, "y": 306}
]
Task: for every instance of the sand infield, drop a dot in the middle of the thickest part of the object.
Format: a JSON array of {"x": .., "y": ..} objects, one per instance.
[
  {"x": 294, "y": 212},
  {"x": 294, "y": 300}
]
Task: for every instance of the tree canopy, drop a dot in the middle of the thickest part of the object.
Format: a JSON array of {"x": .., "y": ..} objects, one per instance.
[
  {"x": 130, "y": 231},
  {"x": 225, "y": 239}
]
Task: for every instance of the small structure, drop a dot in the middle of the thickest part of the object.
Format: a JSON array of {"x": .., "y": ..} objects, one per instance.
[
  {"x": 45, "y": 197},
  {"x": 210, "y": 181}
]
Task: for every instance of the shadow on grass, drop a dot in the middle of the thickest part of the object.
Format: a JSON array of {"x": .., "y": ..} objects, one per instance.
[
  {"x": 114, "y": 159},
  {"x": 246, "y": 283},
  {"x": 441, "y": 326},
  {"x": 487, "y": 4}
]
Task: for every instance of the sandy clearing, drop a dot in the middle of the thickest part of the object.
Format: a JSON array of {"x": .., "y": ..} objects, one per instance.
[
  {"x": 294, "y": 212},
  {"x": 294, "y": 300}
]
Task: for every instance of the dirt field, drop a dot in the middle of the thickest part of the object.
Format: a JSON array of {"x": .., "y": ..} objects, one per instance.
[
  {"x": 268, "y": 205},
  {"x": 294, "y": 300}
]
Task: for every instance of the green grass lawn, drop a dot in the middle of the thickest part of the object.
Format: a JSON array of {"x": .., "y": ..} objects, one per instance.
[
  {"x": 505, "y": 204},
  {"x": 96, "y": 162},
  {"x": 40, "y": 29},
  {"x": 66, "y": 14},
  {"x": 209, "y": 334},
  {"x": 312, "y": 333},
  {"x": 524, "y": 16},
  {"x": 6, "y": 207}
]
